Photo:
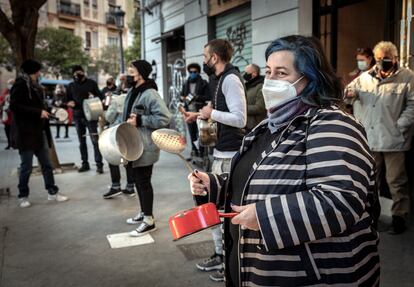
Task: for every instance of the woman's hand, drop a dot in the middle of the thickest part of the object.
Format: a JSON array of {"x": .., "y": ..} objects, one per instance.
[
  {"x": 247, "y": 216},
  {"x": 132, "y": 120},
  {"x": 199, "y": 182}
]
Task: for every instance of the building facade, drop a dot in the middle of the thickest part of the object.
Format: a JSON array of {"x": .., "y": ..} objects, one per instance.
[
  {"x": 89, "y": 19},
  {"x": 179, "y": 29}
]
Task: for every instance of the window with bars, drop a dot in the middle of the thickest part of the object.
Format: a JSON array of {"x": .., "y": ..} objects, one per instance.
[{"x": 88, "y": 40}]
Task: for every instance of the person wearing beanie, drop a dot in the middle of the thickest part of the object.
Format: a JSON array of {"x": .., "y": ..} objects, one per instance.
[
  {"x": 30, "y": 131},
  {"x": 80, "y": 89},
  {"x": 147, "y": 111}
]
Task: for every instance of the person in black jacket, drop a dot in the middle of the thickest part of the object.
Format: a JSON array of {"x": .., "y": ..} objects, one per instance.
[
  {"x": 31, "y": 131},
  {"x": 80, "y": 89},
  {"x": 195, "y": 94}
]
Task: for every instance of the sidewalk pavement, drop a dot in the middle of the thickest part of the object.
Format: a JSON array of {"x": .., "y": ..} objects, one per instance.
[{"x": 64, "y": 244}]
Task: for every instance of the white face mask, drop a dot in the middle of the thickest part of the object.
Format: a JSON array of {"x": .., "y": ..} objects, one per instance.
[
  {"x": 276, "y": 92},
  {"x": 362, "y": 65}
]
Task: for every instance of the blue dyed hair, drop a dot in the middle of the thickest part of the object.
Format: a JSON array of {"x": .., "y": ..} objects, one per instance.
[{"x": 324, "y": 87}]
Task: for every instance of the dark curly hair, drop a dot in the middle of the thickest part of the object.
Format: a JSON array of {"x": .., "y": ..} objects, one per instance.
[{"x": 194, "y": 66}]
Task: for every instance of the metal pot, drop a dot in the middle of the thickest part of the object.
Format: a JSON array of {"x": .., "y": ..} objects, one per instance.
[
  {"x": 121, "y": 144},
  {"x": 60, "y": 114},
  {"x": 207, "y": 132},
  {"x": 93, "y": 109},
  {"x": 193, "y": 220}
]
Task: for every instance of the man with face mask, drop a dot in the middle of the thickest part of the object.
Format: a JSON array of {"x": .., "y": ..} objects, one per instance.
[
  {"x": 384, "y": 103},
  {"x": 256, "y": 110},
  {"x": 228, "y": 109},
  {"x": 80, "y": 89},
  {"x": 110, "y": 86},
  {"x": 195, "y": 94},
  {"x": 31, "y": 131}
]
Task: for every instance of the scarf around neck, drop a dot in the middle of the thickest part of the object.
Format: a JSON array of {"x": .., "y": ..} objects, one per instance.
[{"x": 281, "y": 115}]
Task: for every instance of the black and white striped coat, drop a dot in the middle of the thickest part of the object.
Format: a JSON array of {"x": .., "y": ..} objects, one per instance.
[{"x": 313, "y": 193}]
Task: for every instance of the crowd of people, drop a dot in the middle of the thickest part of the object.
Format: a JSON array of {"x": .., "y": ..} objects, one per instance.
[{"x": 298, "y": 222}]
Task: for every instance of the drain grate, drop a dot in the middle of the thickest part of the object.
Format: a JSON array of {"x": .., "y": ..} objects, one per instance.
[{"x": 197, "y": 250}]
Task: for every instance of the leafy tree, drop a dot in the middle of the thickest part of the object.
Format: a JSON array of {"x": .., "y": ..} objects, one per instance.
[
  {"x": 134, "y": 51},
  {"x": 108, "y": 60},
  {"x": 19, "y": 27},
  {"x": 59, "y": 50}
]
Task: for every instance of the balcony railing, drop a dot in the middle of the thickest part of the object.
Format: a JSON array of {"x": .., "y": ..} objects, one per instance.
[
  {"x": 110, "y": 18},
  {"x": 69, "y": 9}
]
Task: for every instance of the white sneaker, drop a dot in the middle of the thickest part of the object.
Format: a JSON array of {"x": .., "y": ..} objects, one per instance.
[
  {"x": 24, "y": 202},
  {"x": 57, "y": 197},
  {"x": 136, "y": 220},
  {"x": 142, "y": 229}
]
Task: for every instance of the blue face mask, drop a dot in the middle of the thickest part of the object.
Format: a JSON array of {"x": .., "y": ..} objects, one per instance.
[{"x": 193, "y": 76}]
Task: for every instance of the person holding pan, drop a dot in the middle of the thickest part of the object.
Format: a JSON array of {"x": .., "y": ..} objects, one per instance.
[
  {"x": 146, "y": 110},
  {"x": 30, "y": 131},
  {"x": 302, "y": 183}
]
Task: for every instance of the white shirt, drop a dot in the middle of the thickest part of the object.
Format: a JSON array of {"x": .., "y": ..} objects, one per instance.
[{"x": 234, "y": 94}]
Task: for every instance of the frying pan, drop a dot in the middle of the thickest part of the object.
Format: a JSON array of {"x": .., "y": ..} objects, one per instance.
[{"x": 187, "y": 222}]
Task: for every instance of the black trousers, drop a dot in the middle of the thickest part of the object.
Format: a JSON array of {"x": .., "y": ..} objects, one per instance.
[
  {"x": 26, "y": 165},
  {"x": 116, "y": 175},
  {"x": 81, "y": 125},
  {"x": 142, "y": 178},
  {"x": 193, "y": 130},
  {"x": 58, "y": 130}
]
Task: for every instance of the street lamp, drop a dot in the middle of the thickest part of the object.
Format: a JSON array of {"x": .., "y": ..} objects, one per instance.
[{"x": 119, "y": 20}]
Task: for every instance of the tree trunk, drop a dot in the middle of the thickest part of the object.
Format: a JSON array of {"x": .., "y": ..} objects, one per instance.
[{"x": 20, "y": 31}]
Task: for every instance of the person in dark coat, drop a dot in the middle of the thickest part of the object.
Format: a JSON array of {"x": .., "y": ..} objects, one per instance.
[
  {"x": 79, "y": 90},
  {"x": 195, "y": 94},
  {"x": 31, "y": 131},
  {"x": 256, "y": 110}
]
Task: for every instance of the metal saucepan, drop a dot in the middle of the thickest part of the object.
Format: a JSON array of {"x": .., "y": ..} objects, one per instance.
[
  {"x": 187, "y": 222},
  {"x": 59, "y": 114},
  {"x": 93, "y": 109},
  {"x": 121, "y": 143}
]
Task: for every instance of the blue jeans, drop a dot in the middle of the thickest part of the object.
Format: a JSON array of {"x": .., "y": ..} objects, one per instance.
[
  {"x": 81, "y": 125},
  {"x": 26, "y": 157}
]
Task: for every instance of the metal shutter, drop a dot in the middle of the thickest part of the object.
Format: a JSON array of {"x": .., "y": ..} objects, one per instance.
[{"x": 236, "y": 26}]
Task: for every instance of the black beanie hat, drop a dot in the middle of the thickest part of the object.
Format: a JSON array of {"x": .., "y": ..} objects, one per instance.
[
  {"x": 31, "y": 66},
  {"x": 77, "y": 68},
  {"x": 143, "y": 67}
]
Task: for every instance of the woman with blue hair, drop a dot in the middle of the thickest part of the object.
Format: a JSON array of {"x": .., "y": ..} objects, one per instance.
[{"x": 302, "y": 183}]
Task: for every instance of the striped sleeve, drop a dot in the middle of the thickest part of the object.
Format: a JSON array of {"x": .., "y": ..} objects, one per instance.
[
  {"x": 216, "y": 192},
  {"x": 338, "y": 178}
]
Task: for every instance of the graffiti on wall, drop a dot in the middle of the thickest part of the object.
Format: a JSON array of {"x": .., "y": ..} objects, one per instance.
[{"x": 237, "y": 36}]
